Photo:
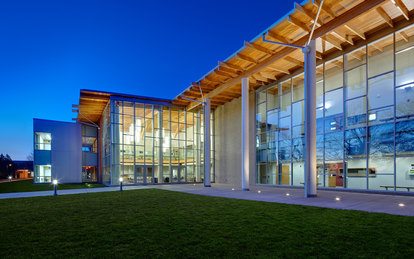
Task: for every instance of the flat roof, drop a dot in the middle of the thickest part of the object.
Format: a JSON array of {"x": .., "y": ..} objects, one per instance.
[{"x": 92, "y": 103}]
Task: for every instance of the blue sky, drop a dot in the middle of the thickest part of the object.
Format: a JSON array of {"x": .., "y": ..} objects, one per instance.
[{"x": 51, "y": 49}]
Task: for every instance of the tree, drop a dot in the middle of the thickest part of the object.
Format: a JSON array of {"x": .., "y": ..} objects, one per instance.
[
  {"x": 7, "y": 167},
  {"x": 30, "y": 157}
]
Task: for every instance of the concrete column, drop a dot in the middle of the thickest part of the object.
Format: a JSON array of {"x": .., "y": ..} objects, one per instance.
[
  {"x": 310, "y": 120},
  {"x": 207, "y": 146},
  {"x": 198, "y": 146},
  {"x": 160, "y": 149},
  {"x": 245, "y": 133}
]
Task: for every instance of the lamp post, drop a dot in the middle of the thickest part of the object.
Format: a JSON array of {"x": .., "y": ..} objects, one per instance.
[
  {"x": 120, "y": 183},
  {"x": 55, "y": 183},
  {"x": 10, "y": 178}
]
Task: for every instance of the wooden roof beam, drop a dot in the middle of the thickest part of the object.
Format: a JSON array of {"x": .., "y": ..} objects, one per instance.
[
  {"x": 229, "y": 70},
  {"x": 230, "y": 65},
  {"x": 294, "y": 61},
  {"x": 222, "y": 73},
  {"x": 332, "y": 41},
  {"x": 356, "y": 31},
  {"x": 325, "y": 7},
  {"x": 268, "y": 75},
  {"x": 298, "y": 23},
  {"x": 258, "y": 47},
  {"x": 279, "y": 70},
  {"x": 213, "y": 80},
  {"x": 402, "y": 8},
  {"x": 383, "y": 14},
  {"x": 343, "y": 37},
  {"x": 278, "y": 37},
  {"x": 319, "y": 55},
  {"x": 404, "y": 36},
  {"x": 246, "y": 58}
]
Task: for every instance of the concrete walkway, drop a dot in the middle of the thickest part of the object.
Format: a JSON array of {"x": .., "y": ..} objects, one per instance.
[
  {"x": 66, "y": 192},
  {"x": 391, "y": 204},
  {"x": 370, "y": 202}
]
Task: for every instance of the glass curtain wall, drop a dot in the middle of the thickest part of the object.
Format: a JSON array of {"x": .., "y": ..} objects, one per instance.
[
  {"x": 152, "y": 144},
  {"x": 365, "y": 120}
]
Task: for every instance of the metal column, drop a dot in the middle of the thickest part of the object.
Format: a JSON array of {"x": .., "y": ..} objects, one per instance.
[
  {"x": 207, "y": 146},
  {"x": 245, "y": 133},
  {"x": 310, "y": 119}
]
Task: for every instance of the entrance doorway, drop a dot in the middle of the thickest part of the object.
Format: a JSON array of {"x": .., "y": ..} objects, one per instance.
[
  {"x": 178, "y": 174},
  {"x": 144, "y": 174}
]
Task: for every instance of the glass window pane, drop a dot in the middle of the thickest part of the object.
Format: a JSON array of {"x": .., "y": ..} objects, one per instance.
[
  {"x": 355, "y": 58},
  {"x": 298, "y": 145},
  {"x": 356, "y": 110},
  {"x": 404, "y": 56},
  {"x": 355, "y": 81},
  {"x": 298, "y": 113},
  {"x": 404, "y": 100},
  {"x": 381, "y": 91},
  {"x": 334, "y": 103},
  {"x": 298, "y": 88},
  {"x": 404, "y": 172},
  {"x": 285, "y": 128},
  {"x": 355, "y": 143},
  {"x": 380, "y": 56},
  {"x": 404, "y": 138},
  {"x": 381, "y": 140},
  {"x": 334, "y": 143},
  {"x": 273, "y": 97},
  {"x": 333, "y": 74},
  {"x": 384, "y": 115},
  {"x": 272, "y": 119},
  {"x": 284, "y": 151}
]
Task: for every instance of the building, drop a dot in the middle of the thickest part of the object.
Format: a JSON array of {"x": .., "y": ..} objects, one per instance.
[
  {"x": 347, "y": 122},
  {"x": 24, "y": 169}
]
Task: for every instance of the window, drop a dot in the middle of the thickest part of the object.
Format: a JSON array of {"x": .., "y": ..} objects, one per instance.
[
  {"x": 89, "y": 144},
  {"x": 43, "y": 174},
  {"x": 43, "y": 141},
  {"x": 89, "y": 174}
]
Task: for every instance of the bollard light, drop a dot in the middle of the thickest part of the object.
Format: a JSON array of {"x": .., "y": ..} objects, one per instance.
[
  {"x": 259, "y": 191},
  {"x": 10, "y": 178},
  {"x": 55, "y": 183},
  {"x": 120, "y": 183}
]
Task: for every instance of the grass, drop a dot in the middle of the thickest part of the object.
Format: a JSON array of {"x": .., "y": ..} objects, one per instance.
[
  {"x": 28, "y": 186},
  {"x": 160, "y": 223}
]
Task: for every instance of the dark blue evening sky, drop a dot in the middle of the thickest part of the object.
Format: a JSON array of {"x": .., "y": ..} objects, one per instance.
[{"x": 51, "y": 49}]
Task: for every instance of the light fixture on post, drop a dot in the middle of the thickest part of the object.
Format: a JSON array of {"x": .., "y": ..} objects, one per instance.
[
  {"x": 55, "y": 183},
  {"x": 10, "y": 178},
  {"x": 120, "y": 183}
]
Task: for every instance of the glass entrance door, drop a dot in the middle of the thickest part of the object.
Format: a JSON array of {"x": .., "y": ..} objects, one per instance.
[
  {"x": 144, "y": 174},
  {"x": 178, "y": 174}
]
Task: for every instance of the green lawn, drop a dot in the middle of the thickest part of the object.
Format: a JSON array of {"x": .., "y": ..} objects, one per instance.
[
  {"x": 28, "y": 186},
  {"x": 159, "y": 223}
]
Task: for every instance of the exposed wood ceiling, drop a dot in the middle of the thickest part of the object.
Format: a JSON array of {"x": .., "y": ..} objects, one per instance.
[{"x": 341, "y": 24}]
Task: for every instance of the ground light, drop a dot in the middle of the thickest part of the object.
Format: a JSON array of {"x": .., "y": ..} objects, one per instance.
[
  {"x": 287, "y": 194},
  {"x": 120, "y": 183},
  {"x": 232, "y": 189},
  {"x": 337, "y": 199},
  {"x": 10, "y": 178},
  {"x": 259, "y": 191},
  {"x": 401, "y": 204},
  {"x": 55, "y": 183}
]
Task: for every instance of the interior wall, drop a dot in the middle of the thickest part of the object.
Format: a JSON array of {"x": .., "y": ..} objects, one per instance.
[{"x": 228, "y": 166}]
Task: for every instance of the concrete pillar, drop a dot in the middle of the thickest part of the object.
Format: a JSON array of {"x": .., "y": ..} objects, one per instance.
[
  {"x": 310, "y": 120},
  {"x": 245, "y": 133},
  {"x": 207, "y": 146},
  {"x": 198, "y": 146}
]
